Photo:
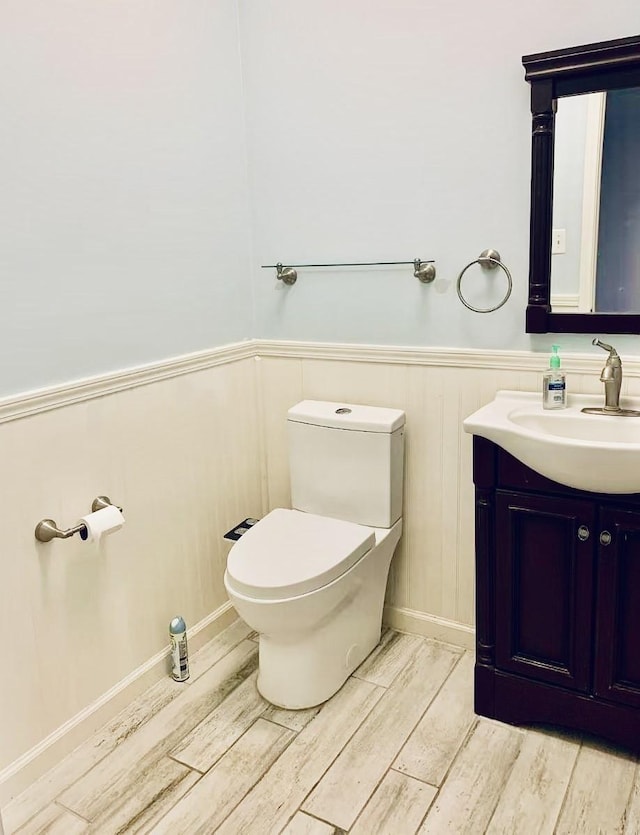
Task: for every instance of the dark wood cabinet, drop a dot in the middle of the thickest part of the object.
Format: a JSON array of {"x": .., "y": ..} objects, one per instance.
[
  {"x": 557, "y": 603},
  {"x": 544, "y": 588},
  {"x": 617, "y": 647}
]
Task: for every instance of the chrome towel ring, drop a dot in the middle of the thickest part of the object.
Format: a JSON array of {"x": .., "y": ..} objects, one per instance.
[{"x": 489, "y": 259}]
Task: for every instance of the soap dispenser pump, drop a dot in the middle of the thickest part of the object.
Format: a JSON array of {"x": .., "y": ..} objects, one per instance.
[{"x": 554, "y": 387}]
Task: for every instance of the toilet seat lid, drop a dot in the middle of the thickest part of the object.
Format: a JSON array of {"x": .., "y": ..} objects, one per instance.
[{"x": 288, "y": 553}]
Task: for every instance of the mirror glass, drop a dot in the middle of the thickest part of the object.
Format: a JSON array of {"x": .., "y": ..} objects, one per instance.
[{"x": 595, "y": 261}]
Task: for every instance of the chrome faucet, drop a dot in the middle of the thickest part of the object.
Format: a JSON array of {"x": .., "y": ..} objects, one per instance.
[{"x": 611, "y": 376}]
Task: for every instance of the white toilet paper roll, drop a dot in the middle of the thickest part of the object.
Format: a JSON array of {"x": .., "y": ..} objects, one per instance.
[{"x": 101, "y": 523}]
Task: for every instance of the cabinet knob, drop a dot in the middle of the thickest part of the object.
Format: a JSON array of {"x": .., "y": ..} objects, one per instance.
[
  {"x": 583, "y": 533},
  {"x": 605, "y": 538}
]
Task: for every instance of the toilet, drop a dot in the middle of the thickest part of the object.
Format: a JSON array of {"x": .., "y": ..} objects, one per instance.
[{"x": 311, "y": 579}]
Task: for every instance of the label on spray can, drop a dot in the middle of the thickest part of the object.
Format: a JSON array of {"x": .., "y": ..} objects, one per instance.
[{"x": 179, "y": 649}]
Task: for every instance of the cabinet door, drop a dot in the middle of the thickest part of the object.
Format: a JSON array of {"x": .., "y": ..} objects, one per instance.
[
  {"x": 617, "y": 656},
  {"x": 544, "y": 587}
]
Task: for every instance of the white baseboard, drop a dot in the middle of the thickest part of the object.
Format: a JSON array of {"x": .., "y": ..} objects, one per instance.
[
  {"x": 39, "y": 759},
  {"x": 430, "y": 626}
]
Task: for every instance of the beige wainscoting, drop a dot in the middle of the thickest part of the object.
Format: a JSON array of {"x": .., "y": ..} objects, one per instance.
[
  {"x": 188, "y": 448},
  {"x": 85, "y": 625},
  {"x": 431, "y": 584}
]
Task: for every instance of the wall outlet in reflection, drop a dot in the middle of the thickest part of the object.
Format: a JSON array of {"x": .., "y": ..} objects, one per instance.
[{"x": 558, "y": 241}]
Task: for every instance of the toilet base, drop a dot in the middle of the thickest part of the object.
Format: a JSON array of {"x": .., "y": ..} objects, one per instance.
[{"x": 306, "y": 674}]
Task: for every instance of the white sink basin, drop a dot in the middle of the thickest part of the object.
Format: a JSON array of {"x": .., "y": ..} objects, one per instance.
[{"x": 600, "y": 453}]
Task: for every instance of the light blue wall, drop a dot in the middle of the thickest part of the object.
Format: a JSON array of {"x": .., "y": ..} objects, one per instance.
[
  {"x": 378, "y": 130},
  {"x": 387, "y": 130},
  {"x": 124, "y": 223}
]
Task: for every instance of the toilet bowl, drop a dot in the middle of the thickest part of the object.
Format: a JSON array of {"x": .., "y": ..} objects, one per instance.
[
  {"x": 311, "y": 580},
  {"x": 313, "y": 588}
]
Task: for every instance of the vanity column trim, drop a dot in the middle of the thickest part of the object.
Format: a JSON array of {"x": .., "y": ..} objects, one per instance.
[
  {"x": 543, "y": 113},
  {"x": 485, "y": 479}
]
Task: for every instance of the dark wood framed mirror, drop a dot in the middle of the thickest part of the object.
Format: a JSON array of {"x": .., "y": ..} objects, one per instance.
[{"x": 598, "y": 68}]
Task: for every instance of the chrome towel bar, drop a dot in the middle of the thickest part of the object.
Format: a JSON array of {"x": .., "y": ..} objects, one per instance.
[{"x": 425, "y": 271}]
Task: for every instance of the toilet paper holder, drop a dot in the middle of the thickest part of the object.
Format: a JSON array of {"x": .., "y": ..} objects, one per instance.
[{"x": 46, "y": 529}]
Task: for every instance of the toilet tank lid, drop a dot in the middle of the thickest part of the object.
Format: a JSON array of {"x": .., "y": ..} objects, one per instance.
[{"x": 347, "y": 416}]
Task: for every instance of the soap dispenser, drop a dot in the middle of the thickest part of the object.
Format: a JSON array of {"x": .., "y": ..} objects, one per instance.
[{"x": 554, "y": 387}]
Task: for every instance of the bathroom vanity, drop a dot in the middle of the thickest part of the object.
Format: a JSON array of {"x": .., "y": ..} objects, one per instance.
[{"x": 557, "y": 601}]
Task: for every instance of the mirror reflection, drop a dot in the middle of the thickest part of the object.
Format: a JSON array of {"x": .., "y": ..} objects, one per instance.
[{"x": 595, "y": 263}]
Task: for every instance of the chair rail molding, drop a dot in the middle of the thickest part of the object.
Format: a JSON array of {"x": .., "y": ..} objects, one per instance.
[{"x": 46, "y": 399}]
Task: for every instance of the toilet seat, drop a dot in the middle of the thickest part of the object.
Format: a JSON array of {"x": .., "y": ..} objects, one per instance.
[{"x": 289, "y": 553}]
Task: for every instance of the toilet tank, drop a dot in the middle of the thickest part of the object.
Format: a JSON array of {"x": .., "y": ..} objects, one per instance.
[{"x": 346, "y": 461}]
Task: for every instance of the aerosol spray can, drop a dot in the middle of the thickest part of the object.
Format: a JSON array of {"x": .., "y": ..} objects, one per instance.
[{"x": 179, "y": 650}]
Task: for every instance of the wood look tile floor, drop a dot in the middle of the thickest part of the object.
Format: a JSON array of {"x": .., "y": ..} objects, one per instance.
[{"x": 398, "y": 750}]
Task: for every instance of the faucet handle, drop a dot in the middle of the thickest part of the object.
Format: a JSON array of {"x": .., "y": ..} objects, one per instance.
[{"x": 612, "y": 351}]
